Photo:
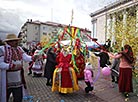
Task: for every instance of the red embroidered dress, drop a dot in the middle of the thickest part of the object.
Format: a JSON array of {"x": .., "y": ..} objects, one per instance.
[
  {"x": 80, "y": 63},
  {"x": 64, "y": 78}
]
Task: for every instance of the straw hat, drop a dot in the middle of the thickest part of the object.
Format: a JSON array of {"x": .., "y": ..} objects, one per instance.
[{"x": 11, "y": 37}]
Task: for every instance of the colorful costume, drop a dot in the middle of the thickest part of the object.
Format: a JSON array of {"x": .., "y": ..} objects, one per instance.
[
  {"x": 38, "y": 64},
  {"x": 80, "y": 63},
  {"x": 64, "y": 78},
  {"x": 12, "y": 77},
  {"x": 80, "y": 60},
  {"x": 88, "y": 74}
]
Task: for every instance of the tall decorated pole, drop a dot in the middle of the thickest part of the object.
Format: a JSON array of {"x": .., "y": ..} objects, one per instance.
[
  {"x": 72, "y": 14},
  {"x": 71, "y": 22}
]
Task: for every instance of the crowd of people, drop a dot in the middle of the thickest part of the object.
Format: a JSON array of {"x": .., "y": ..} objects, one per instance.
[{"x": 58, "y": 68}]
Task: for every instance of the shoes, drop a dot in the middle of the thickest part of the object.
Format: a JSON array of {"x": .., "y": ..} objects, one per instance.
[
  {"x": 61, "y": 93},
  {"x": 113, "y": 80},
  {"x": 126, "y": 94},
  {"x": 87, "y": 89},
  {"x": 29, "y": 73}
]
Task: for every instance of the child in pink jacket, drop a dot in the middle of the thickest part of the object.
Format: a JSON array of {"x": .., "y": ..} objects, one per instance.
[{"x": 88, "y": 74}]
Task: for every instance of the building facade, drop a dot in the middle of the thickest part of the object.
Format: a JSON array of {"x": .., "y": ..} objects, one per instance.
[
  {"x": 36, "y": 31},
  {"x": 118, "y": 22},
  {"x": 104, "y": 21}
]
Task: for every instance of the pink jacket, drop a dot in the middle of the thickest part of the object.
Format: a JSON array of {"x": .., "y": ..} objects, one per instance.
[{"x": 88, "y": 73}]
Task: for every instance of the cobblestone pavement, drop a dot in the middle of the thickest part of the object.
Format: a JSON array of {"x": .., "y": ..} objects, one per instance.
[
  {"x": 37, "y": 88},
  {"x": 102, "y": 92}
]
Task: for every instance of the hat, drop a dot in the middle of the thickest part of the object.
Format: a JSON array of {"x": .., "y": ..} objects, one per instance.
[{"x": 11, "y": 37}]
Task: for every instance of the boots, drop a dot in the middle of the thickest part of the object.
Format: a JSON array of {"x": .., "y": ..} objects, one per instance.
[
  {"x": 30, "y": 71},
  {"x": 48, "y": 83}
]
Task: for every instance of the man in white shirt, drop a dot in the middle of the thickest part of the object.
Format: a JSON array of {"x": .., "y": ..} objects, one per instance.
[{"x": 11, "y": 66}]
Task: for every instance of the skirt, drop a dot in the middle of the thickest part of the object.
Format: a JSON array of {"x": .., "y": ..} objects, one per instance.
[
  {"x": 64, "y": 80},
  {"x": 125, "y": 80}
]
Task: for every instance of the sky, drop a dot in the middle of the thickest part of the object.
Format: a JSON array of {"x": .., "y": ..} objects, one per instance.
[{"x": 14, "y": 13}]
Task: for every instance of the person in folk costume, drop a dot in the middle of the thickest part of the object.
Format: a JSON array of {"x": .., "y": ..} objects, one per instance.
[
  {"x": 50, "y": 66},
  {"x": 80, "y": 60},
  {"x": 80, "y": 63},
  {"x": 37, "y": 67},
  {"x": 88, "y": 77},
  {"x": 31, "y": 53},
  {"x": 125, "y": 69},
  {"x": 64, "y": 78},
  {"x": 11, "y": 66}
]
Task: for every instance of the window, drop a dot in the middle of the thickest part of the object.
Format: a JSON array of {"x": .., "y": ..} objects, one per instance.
[
  {"x": 35, "y": 28},
  {"x": 94, "y": 28},
  {"x": 44, "y": 33},
  {"x": 36, "y": 39},
  {"x": 43, "y": 28}
]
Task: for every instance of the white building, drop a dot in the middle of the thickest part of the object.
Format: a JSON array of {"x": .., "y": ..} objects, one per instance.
[
  {"x": 33, "y": 31},
  {"x": 104, "y": 20},
  {"x": 118, "y": 22}
]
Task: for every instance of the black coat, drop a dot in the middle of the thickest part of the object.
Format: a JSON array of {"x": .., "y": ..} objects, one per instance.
[
  {"x": 104, "y": 59},
  {"x": 50, "y": 64}
]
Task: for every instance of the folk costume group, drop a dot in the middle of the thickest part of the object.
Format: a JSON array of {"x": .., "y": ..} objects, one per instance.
[
  {"x": 59, "y": 69},
  {"x": 12, "y": 72}
]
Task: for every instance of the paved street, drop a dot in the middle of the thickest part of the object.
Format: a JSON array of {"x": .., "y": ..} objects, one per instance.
[{"x": 102, "y": 92}]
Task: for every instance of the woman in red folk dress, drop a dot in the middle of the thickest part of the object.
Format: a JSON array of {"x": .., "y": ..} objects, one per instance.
[{"x": 64, "y": 77}]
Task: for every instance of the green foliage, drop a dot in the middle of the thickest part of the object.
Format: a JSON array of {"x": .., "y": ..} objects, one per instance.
[{"x": 126, "y": 33}]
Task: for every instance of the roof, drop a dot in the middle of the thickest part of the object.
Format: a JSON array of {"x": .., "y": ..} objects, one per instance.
[
  {"x": 109, "y": 7},
  {"x": 54, "y": 24}
]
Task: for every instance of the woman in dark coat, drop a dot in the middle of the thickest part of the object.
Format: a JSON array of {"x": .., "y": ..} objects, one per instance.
[
  {"x": 104, "y": 58},
  {"x": 50, "y": 66}
]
